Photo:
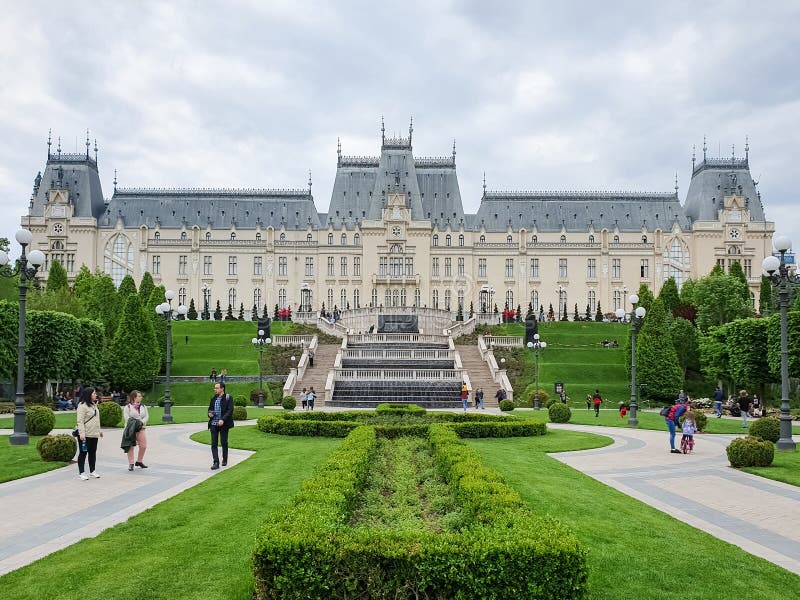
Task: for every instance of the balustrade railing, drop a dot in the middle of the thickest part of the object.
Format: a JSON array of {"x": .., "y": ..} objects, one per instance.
[
  {"x": 292, "y": 340},
  {"x": 398, "y": 374},
  {"x": 505, "y": 341},
  {"x": 397, "y": 354},
  {"x": 396, "y": 338}
]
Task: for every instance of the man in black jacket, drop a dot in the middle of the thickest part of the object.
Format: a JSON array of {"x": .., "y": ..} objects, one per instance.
[{"x": 220, "y": 420}]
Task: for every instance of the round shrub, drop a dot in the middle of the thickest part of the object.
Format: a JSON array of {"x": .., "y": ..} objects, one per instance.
[
  {"x": 750, "y": 452},
  {"x": 530, "y": 392},
  {"x": 110, "y": 414},
  {"x": 39, "y": 420},
  {"x": 768, "y": 428},
  {"x": 559, "y": 413},
  {"x": 239, "y": 413},
  {"x": 289, "y": 402},
  {"x": 60, "y": 447},
  {"x": 701, "y": 420},
  {"x": 241, "y": 401},
  {"x": 506, "y": 405}
]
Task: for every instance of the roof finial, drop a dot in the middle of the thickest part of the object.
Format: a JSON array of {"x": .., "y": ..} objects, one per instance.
[
  {"x": 411, "y": 130},
  {"x": 694, "y": 149},
  {"x": 484, "y": 184},
  {"x": 95, "y": 149},
  {"x": 87, "y": 144},
  {"x": 59, "y": 147},
  {"x": 454, "y": 151},
  {"x": 115, "y": 181},
  {"x": 733, "y": 151},
  {"x": 676, "y": 183},
  {"x": 704, "y": 148},
  {"x": 338, "y": 152},
  {"x": 746, "y": 147},
  {"x": 383, "y": 132},
  {"x": 49, "y": 142},
  {"x": 309, "y": 182}
]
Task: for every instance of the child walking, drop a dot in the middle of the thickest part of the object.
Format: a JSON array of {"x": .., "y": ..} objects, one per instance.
[{"x": 689, "y": 429}]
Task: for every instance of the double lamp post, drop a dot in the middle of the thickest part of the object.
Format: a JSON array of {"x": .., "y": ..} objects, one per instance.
[
  {"x": 26, "y": 268},
  {"x": 536, "y": 345},
  {"x": 637, "y": 319},
  {"x": 259, "y": 343},
  {"x": 165, "y": 310}
]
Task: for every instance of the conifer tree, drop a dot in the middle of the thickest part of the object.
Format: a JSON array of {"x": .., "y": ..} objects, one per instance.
[
  {"x": 657, "y": 368},
  {"x": 146, "y": 287},
  {"x": 646, "y": 297},
  {"x": 191, "y": 314},
  {"x": 551, "y": 313},
  {"x": 598, "y": 316},
  {"x": 519, "y": 313},
  {"x": 83, "y": 284},
  {"x": 564, "y": 316},
  {"x": 669, "y": 295},
  {"x": 766, "y": 299},
  {"x": 460, "y": 314},
  {"x": 471, "y": 309},
  {"x": 254, "y": 312},
  {"x": 57, "y": 278},
  {"x": 737, "y": 272},
  {"x": 218, "y": 312},
  {"x": 265, "y": 314},
  {"x": 275, "y": 314},
  {"x": 103, "y": 303},
  {"x": 588, "y": 316},
  {"x": 158, "y": 322},
  {"x": 575, "y": 315},
  {"x": 134, "y": 357},
  {"x": 126, "y": 288},
  {"x": 229, "y": 314},
  {"x": 241, "y": 311}
]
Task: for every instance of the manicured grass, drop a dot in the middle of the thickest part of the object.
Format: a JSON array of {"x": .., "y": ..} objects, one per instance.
[
  {"x": 199, "y": 393},
  {"x": 196, "y": 545},
  {"x": 634, "y": 551},
  {"x": 17, "y": 462},
  {"x": 785, "y": 468}
]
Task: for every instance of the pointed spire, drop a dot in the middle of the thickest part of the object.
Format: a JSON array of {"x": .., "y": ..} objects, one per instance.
[
  {"x": 454, "y": 151},
  {"x": 87, "y": 144},
  {"x": 694, "y": 149},
  {"x": 115, "y": 181},
  {"x": 484, "y": 184},
  {"x": 383, "y": 132},
  {"x": 59, "y": 147},
  {"x": 95, "y": 150},
  {"x": 733, "y": 151},
  {"x": 411, "y": 130},
  {"x": 746, "y": 147},
  {"x": 309, "y": 182},
  {"x": 49, "y": 142},
  {"x": 676, "y": 183}
]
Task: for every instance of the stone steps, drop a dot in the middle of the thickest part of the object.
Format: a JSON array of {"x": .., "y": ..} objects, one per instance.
[{"x": 479, "y": 374}]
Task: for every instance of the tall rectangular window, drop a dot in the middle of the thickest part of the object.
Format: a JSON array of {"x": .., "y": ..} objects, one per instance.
[
  {"x": 256, "y": 300},
  {"x": 616, "y": 268},
  {"x": 748, "y": 267},
  {"x": 257, "y": 264},
  {"x": 357, "y": 266},
  {"x": 644, "y": 269},
  {"x": 70, "y": 263},
  {"x": 461, "y": 266},
  {"x": 591, "y": 268},
  {"x": 232, "y": 266},
  {"x": 207, "y": 266},
  {"x": 343, "y": 266},
  {"x": 283, "y": 267},
  {"x": 383, "y": 265},
  {"x": 181, "y": 295},
  {"x": 330, "y": 266},
  {"x": 448, "y": 267},
  {"x": 409, "y": 266},
  {"x": 182, "y": 264},
  {"x": 481, "y": 267},
  {"x": 534, "y": 268},
  {"x": 509, "y": 268},
  {"x": 435, "y": 267},
  {"x": 156, "y": 264},
  {"x": 562, "y": 268},
  {"x": 309, "y": 266}
]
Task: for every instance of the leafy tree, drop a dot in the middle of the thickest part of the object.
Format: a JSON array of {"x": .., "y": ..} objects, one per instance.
[
  {"x": 241, "y": 311},
  {"x": 766, "y": 298},
  {"x": 57, "y": 278},
  {"x": 686, "y": 311},
  {"x": 686, "y": 340},
  {"x": 714, "y": 359},
  {"x": 134, "y": 357},
  {"x": 669, "y": 295},
  {"x": 747, "y": 352},
  {"x": 191, "y": 314},
  {"x": 92, "y": 357},
  {"x": 646, "y": 297},
  {"x": 657, "y": 367},
  {"x": 774, "y": 342},
  {"x": 737, "y": 272},
  {"x": 126, "y": 287},
  {"x": 103, "y": 303},
  {"x": 51, "y": 346},
  {"x": 716, "y": 271},
  {"x": 59, "y": 300},
  {"x": 9, "y": 323},
  {"x": 218, "y": 313},
  {"x": 719, "y": 300},
  {"x": 598, "y": 316},
  {"x": 84, "y": 281},
  {"x": 146, "y": 287},
  {"x": 687, "y": 291}
]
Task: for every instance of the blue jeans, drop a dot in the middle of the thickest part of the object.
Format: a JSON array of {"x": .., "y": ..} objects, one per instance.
[
  {"x": 671, "y": 426},
  {"x": 464, "y": 404},
  {"x": 718, "y": 407}
]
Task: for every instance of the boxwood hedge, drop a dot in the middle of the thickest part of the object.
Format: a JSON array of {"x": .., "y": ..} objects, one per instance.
[{"x": 502, "y": 551}]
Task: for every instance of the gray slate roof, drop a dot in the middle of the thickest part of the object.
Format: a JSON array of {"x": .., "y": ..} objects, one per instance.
[
  {"x": 76, "y": 173},
  {"x": 714, "y": 178}
]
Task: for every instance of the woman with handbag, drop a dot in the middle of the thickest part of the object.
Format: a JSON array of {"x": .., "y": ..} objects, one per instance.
[
  {"x": 135, "y": 409},
  {"x": 88, "y": 431}
]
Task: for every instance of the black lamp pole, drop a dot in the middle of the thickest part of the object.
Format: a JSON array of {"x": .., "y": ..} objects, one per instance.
[{"x": 165, "y": 310}]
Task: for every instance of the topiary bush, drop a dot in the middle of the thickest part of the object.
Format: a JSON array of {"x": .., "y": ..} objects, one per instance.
[
  {"x": 768, "y": 428},
  {"x": 750, "y": 452},
  {"x": 240, "y": 401},
  {"x": 239, "y": 413},
  {"x": 39, "y": 420},
  {"x": 701, "y": 420},
  {"x": 559, "y": 413},
  {"x": 110, "y": 414},
  {"x": 506, "y": 405},
  {"x": 289, "y": 403},
  {"x": 530, "y": 392},
  {"x": 61, "y": 448}
]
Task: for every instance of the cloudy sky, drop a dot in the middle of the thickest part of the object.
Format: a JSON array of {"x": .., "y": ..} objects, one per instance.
[{"x": 537, "y": 95}]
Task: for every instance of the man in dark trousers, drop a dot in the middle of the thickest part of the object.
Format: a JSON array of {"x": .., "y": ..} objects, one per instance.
[{"x": 220, "y": 420}]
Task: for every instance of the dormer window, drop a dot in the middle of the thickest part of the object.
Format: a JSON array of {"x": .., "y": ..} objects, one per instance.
[
  {"x": 461, "y": 240},
  {"x": 308, "y": 238},
  {"x": 208, "y": 235},
  {"x": 233, "y": 235},
  {"x": 356, "y": 239},
  {"x": 258, "y": 236},
  {"x": 591, "y": 239},
  {"x": 183, "y": 235},
  {"x": 283, "y": 237},
  {"x": 483, "y": 239},
  {"x": 563, "y": 239},
  {"x": 157, "y": 235},
  {"x": 435, "y": 240},
  {"x": 330, "y": 239},
  {"x": 509, "y": 240},
  {"x": 535, "y": 239},
  {"x": 616, "y": 239},
  {"x": 448, "y": 241},
  {"x": 644, "y": 239},
  {"x": 344, "y": 239}
]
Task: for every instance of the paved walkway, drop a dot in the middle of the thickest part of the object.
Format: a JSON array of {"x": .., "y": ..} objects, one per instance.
[
  {"x": 47, "y": 512},
  {"x": 759, "y": 515}
]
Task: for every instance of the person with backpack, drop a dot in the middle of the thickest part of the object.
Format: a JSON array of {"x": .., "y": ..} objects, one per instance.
[
  {"x": 220, "y": 421},
  {"x": 673, "y": 414},
  {"x": 597, "y": 400}
]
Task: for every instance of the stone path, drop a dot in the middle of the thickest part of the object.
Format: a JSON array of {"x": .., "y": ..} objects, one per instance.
[
  {"x": 759, "y": 515},
  {"x": 53, "y": 510}
]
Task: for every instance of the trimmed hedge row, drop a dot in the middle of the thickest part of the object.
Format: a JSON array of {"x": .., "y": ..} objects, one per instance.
[
  {"x": 399, "y": 409},
  {"x": 503, "y": 551},
  {"x": 499, "y": 430},
  {"x": 306, "y": 427},
  {"x": 374, "y": 417}
]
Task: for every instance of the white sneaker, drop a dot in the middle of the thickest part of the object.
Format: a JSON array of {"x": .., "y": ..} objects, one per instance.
[
  {"x": 83, "y": 476},
  {"x": 95, "y": 475}
]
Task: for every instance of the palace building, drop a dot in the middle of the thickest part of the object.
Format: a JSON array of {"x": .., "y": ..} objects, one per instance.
[{"x": 396, "y": 234}]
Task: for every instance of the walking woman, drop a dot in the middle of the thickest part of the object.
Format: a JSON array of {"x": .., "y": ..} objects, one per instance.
[
  {"x": 88, "y": 431},
  {"x": 135, "y": 409}
]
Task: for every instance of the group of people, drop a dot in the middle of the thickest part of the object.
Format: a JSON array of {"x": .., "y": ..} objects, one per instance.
[
  {"x": 64, "y": 401},
  {"x": 672, "y": 414},
  {"x": 221, "y": 376},
  {"x": 478, "y": 397},
  {"x": 611, "y": 344},
  {"x": 307, "y": 398}
]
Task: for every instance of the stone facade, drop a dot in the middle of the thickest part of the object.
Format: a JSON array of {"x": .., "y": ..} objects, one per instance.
[{"x": 396, "y": 234}]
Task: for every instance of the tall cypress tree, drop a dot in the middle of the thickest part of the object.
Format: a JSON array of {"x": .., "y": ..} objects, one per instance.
[
  {"x": 158, "y": 322},
  {"x": 191, "y": 314},
  {"x": 669, "y": 295},
  {"x": 57, "y": 278},
  {"x": 737, "y": 272},
  {"x": 134, "y": 358},
  {"x": 657, "y": 367},
  {"x": 146, "y": 288},
  {"x": 766, "y": 299},
  {"x": 218, "y": 313},
  {"x": 103, "y": 303},
  {"x": 126, "y": 288},
  {"x": 646, "y": 297}
]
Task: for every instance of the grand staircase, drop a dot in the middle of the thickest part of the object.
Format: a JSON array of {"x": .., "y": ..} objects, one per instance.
[
  {"x": 317, "y": 375},
  {"x": 479, "y": 374}
]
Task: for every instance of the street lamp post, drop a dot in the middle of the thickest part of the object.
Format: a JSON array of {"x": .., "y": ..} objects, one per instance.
[
  {"x": 781, "y": 278},
  {"x": 205, "y": 316},
  {"x": 259, "y": 343},
  {"x": 536, "y": 345},
  {"x": 25, "y": 272},
  {"x": 637, "y": 319},
  {"x": 165, "y": 310}
]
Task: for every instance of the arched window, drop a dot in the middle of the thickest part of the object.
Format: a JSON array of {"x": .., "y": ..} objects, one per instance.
[
  {"x": 232, "y": 298},
  {"x": 58, "y": 245},
  {"x": 344, "y": 239},
  {"x": 330, "y": 239},
  {"x": 461, "y": 240},
  {"x": 448, "y": 240},
  {"x": 396, "y": 248},
  {"x": 157, "y": 235},
  {"x": 233, "y": 235},
  {"x": 183, "y": 235},
  {"x": 309, "y": 237},
  {"x": 591, "y": 239},
  {"x": 258, "y": 236},
  {"x": 356, "y": 299},
  {"x": 563, "y": 239},
  {"x": 119, "y": 258},
  {"x": 510, "y": 298},
  {"x": 395, "y": 297},
  {"x": 676, "y": 261},
  {"x": 435, "y": 240},
  {"x": 592, "y": 303},
  {"x": 435, "y": 299},
  {"x": 509, "y": 239},
  {"x": 417, "y": 298},
  {"x": 330, "y": 299},
  {"x": 535, "y": 239},
  {"x": 388, "y": 298},
  {"x": 282, "y": 298},
  {"x": 616, "y": 239},
  {"x": 447, "y": 296},
  {"x": 483, "y": 239},
  {"x": 461, "y": 300},
  {"x": 644, "y": 239},
  {"x": 403, "y": 297},
  {"x": 343, "y": 299},
  {"x": 256, "y": 300},
  {"x": 356, "y": 239},
  {"x": 535, "y": 300},
  {"x": 283, "y": 237},
  {"x": 374, "y": 300},
  {"x": 208, "y": 235}
]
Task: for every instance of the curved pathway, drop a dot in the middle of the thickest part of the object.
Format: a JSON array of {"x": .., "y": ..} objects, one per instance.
[
  {"x": 46, "y": 512},
  {"x": 759, "y": 515}
]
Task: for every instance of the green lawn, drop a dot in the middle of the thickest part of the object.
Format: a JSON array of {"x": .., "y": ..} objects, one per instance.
[
  {"x": 182, "y": 545},
  {"x": 22, "y": 461},
  {"x": 196, "y": 545},
  {"x": 785, "y": 468}
]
